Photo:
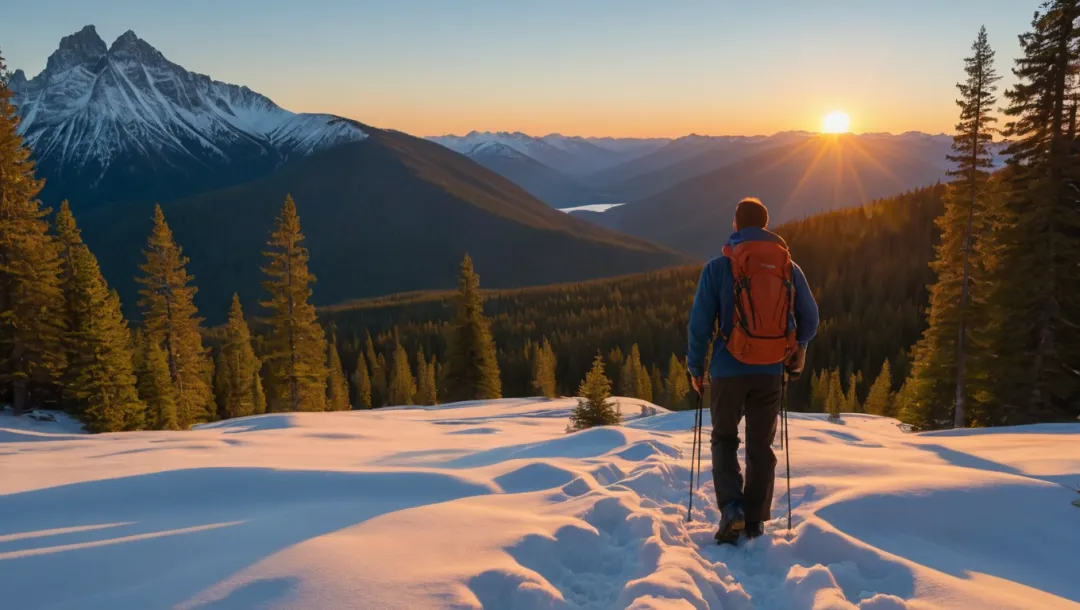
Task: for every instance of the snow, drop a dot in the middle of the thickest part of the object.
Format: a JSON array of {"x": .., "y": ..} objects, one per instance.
[
  {"x": 592, "y": 207},
  {"x": 492, "y": 504},
  {"x": 137, "y": 100}
]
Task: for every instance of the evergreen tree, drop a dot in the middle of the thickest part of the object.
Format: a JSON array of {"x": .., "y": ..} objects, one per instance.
[
  {"x": 1034, "y": 326},
  {"x": 337, "y": 387},
  {"x": 402, "y": 384},
  {"x": 880, "y": 399},
  {"x": 819, "y": 392},
  {"x": 171, "y": 320},
  {"x": 156, "y": 388},
  {"x": 543, "y": 370},
  {"x": 31, "y": 300},
  {"x": 615, "y": 361},
  {"x": 258, "y": 397},
  {"x": 851, "y": 399},
  {"x": 100, "y": 373},
  {"x": 362, "y": 383},
  {"x": 237, "y": 371},
  {"x": 677, "y": 387},
  {"x": 471, "y": 370},
  {"x": 940, "y": 356},
  {"x": 296, "y": 357},
  {"x": 657, "y": 385},
  {"x": 595, "y": 407},
  {"x": 836, "y": 402},
  {"x": 378, "y": 374},
  {"x": 426, "y": 391},
  {"x": 634, "y": 377}
]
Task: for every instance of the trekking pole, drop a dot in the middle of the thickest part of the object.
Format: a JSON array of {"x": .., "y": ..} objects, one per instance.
[
  {"x": 786, "y": 442},
  {"x": 700, "y": 433},
  {"x": 695, "y": 449}
]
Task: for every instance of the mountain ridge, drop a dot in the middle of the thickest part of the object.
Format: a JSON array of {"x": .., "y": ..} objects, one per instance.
[{"x": 122, "y": 122}]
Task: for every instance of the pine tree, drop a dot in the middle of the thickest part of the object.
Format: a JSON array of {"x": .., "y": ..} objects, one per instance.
[
  {"x": 851, "y": 399},
  {"x": 171, "y": 321},
  {"x": 426, "y": 391},
  {"x": 237, "y": 370},
  {"x": 296, "y": 357},
  {"x": 595, "y": 407},
  {"x": 634, "y": 377},
  {"x": 543, "y": 370},
  {"x": 1034, "y": 303},
  {"x": 835, "y": 402},
  {"x": 880, "y": 399},
  {"x": 337, "y": 387},
  {"x": 362, "y": 383},
  {"x": 615, "y": 361},
  {"x": 940, "y": 356},
  {"x": 31, "y": 300},
  {"x": 471, "y": 370},
  {"x": 258, "y": 397},
  {"x": 377, "y": 366},
  {"x": 402, "y": 384},
  {"x": 657, "y": 385},
  {"x": 819, "y": 392},
  {"x": 156, "y": 388},
  {"x": 677, "y": 386},
  {"x": 100, "y": 377}
]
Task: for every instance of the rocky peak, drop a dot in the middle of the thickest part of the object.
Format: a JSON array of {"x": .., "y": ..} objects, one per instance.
[
  {"x": 83, "y": 48},
  {"x": 17, "y": 78},
  {"x": 130, "y": 46}
]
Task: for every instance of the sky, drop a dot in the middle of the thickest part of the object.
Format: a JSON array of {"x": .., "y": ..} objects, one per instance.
[{"x": 639, "y": 68}]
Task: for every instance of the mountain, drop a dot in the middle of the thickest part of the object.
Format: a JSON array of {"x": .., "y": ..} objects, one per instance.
[
  {"x": 682, "y": 159},
  {"x": 546, "y": 184},
  {"x": 123, "y": 123},
  {"x": 388, "y": 213},
  {"x": 816, "y": 174},
  {"x": 572, "y": 155},
  {"x": 116, "y": 128},
  {"x": 535, "y": 148}
]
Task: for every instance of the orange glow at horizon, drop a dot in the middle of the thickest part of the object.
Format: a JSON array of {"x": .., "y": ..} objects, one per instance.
[{"x": 664, "y": 118}]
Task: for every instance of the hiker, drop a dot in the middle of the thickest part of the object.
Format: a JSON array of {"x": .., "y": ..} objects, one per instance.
[{"x": 767, "y": 317}]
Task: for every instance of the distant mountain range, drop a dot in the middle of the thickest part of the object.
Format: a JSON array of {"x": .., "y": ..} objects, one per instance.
[
  {"x": 566, "y": 176},
  {"x": 808, "y": 175},
  {"x": 116, "y": 128}
]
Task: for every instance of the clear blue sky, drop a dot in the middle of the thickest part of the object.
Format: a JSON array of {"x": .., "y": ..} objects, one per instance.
[{"x": 588, "y": 67}]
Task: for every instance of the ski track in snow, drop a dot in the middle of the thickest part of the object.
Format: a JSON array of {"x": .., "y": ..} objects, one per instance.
[{"x": 493, "y": 505}]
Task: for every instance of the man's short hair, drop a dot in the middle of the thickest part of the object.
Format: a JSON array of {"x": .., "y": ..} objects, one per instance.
[{"x": 751, "y": 213}]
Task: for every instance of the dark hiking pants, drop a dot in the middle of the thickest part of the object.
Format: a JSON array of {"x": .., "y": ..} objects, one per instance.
[{"x": 758, "y": 398}]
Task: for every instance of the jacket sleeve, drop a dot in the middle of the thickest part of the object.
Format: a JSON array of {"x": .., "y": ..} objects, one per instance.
[
  {"x": 806, "y": 309},
  {"x": 702, "y": 321}
]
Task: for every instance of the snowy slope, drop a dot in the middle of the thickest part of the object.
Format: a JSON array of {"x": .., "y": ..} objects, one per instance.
[
  {"x": 95, "y": 107},
  {"x": 493, "y": 505}
]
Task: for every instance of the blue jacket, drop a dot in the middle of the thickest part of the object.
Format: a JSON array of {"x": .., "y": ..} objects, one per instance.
[{"x": 715, "y": 299}]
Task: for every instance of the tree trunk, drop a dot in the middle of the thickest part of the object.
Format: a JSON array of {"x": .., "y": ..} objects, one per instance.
[{"x": 960, "y": 415}]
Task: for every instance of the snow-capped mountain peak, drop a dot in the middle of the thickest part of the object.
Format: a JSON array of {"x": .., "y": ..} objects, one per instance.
[{"x": 95, "y": 107}]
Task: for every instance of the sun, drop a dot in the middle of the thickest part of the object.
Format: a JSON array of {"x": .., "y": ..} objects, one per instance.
[{"x": 837, "y": 122}]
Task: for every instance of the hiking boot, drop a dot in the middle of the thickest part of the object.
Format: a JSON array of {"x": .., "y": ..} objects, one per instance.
[
  {"x": 732, "y": 523},
  {"x": 754, "y": 529}
]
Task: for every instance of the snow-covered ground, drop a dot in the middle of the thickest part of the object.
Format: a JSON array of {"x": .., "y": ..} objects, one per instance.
[{"x": 493, "y": 505}]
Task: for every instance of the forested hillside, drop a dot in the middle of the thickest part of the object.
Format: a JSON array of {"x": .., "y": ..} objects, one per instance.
[{"x": 868, "y": 268}]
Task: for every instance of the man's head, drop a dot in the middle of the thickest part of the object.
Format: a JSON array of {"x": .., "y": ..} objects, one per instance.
[{"x": 751, "y": 213}]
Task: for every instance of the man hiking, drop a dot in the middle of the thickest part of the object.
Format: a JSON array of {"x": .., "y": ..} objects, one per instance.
[{"x": 767, "y": 317}]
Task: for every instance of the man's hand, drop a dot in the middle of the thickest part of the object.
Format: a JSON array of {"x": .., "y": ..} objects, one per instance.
[
  {"x": 796, "y": 362},
  {"x": 698, "y": 383}
]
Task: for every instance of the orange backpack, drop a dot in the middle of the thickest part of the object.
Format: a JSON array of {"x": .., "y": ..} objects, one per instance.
[{"x": 764, "y": 300}]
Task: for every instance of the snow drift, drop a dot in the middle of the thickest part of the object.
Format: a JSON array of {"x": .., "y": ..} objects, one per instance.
[{"x": 493, "y": 505}]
